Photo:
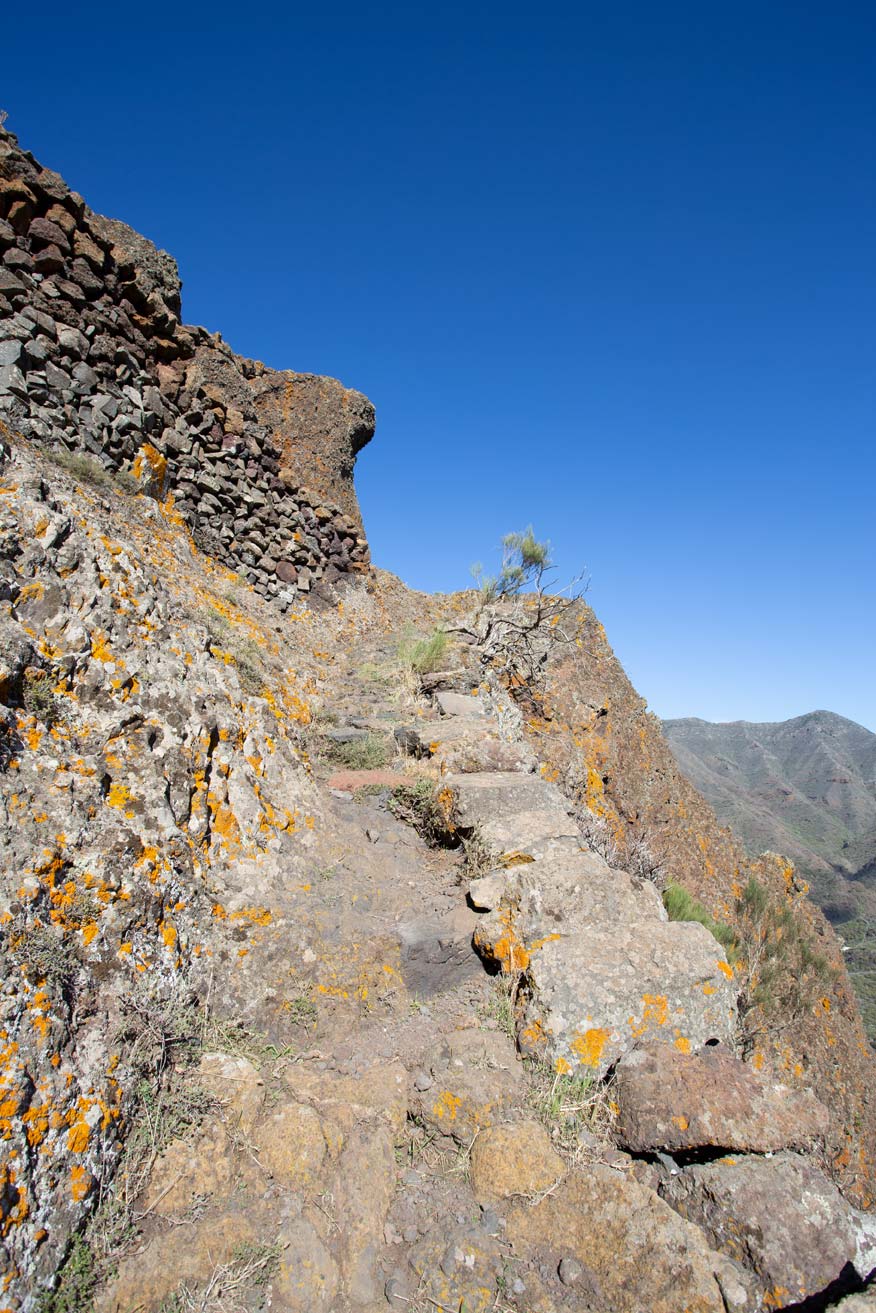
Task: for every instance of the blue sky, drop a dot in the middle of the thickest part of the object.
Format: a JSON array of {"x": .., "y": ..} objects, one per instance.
[{"x": 608, "y": 270}]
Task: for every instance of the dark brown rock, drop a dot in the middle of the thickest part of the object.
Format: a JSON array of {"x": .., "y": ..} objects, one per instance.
[
  {"x": 674, "y": 1101},
  {"x": 42, "y": 232}
]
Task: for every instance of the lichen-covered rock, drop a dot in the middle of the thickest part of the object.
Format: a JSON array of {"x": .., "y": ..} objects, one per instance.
[
  {"x": 781, "y": 1218},
  {"x": 146, "y": 802},
  {"x": 672, "y": 1101},
  {"x": 515, "y": 1159},
  {"x": 514, "y": 812},
  {"x": 631, "y": 1251},
  {"x": 473, "y": 1087},
  {"x": 602, "y": 968},
  {"x": 292, "y": 1145}
]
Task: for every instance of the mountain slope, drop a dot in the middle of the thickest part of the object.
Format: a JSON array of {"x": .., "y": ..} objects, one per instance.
[{"x": 804, "y": 787}]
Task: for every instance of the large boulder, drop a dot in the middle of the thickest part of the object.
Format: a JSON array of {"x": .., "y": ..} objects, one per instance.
[
  {"x": 602, "y": 968},
  {"x": 781, "y": 1218},
  {"x": 677, "y": 1101}
]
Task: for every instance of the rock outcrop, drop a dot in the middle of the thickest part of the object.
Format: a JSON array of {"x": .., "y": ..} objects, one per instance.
[{"x": 94, "y": 359}]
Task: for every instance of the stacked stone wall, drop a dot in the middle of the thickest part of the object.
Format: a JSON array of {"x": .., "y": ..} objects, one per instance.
[{"x": 94, "y": 358}]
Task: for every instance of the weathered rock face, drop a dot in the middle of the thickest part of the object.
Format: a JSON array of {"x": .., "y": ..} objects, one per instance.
[
  {"x": 94, "y": 359},
  {"x": 678, "y": 1101},
  {"x": 781, "y": 1218},
  {"x": 593, "y": 731},
  {"x": 146, "y": 800},
  {"x": 626, "y": 1249},
  {"x": 321, "y": 427}
]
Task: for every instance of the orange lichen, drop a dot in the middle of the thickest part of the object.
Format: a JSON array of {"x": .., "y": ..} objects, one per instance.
[{"x": 589, "y": 1047}]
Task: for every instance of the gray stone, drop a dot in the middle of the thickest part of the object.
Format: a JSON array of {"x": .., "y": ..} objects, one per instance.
[
  {"x": 12, "y": 380},
  {"x": 781, "y": 1218},
  {"x": 10, "y": 352}
]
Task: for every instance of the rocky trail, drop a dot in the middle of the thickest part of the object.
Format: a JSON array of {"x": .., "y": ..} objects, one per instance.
[{"x": 392, "y": 1148}]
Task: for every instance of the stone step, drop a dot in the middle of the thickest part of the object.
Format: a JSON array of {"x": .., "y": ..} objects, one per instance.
[
  {"x": 515, "y": 812},
  {"x": 465, "y": 746}
]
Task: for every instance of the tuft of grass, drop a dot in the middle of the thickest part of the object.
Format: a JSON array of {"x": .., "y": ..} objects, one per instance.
[
  {"x": 571, "y": 1106},
  {"x": 499, "y": 1006},
  {"x": 680, "y": 906},
  {"x": 429, "y": 809},
  {"x": 422, "y": 655},
  {"x": 86, "y": 469},
  {"x": 359, "y": 754}
]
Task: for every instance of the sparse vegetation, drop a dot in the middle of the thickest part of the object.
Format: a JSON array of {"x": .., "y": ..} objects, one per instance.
[
  {"x": 573, "y": 1107},
  {"x": 369, "y": 753},
  {"x": 231, "y": 1285},
  {"x": 427, "y": 807},
  {"x": 244, "y": 652},
  {"x": 39, "y": 697},
  {"x": 77, "y": 1281},
  {"x": 479, "y": 858},
  {"x": 680, "y": 906},
  {"x": 422, "y": 655},
  {"x": 518, "y": 621},
  {"x": 633, "y": 853},
  {"x": 783, "y": 976},
  {"x": 499, "y": 1006}
]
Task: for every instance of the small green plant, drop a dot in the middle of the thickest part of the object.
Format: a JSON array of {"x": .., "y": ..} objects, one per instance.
[
  {"x": 44, "y": 955},
  {"x": 369, "y": 753},
  {"x": 39, "y": 697},
  {"x": 680, "y": 906},
  {"x": 301, "y": 1010},
  {"x": 76, "y": 1283},
  {"x": 422, "y": 655}
]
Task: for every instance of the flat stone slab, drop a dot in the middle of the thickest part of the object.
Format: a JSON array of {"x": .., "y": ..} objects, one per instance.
[
  {"x": 461, "y": 704},
  {"x": 515, "y": 812},
  {"x": 781, "y": 1217},
  {"x": 624, "y": 1249},
  {"x": 676, "y": 1101},
  {"x": 591, "y": 995}
]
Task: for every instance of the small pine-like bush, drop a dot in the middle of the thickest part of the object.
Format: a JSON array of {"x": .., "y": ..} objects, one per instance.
[{"x": 424, "y": 654}]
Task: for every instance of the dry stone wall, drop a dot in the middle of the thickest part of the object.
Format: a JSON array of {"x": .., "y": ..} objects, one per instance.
[{"x": 94, "y": 359}]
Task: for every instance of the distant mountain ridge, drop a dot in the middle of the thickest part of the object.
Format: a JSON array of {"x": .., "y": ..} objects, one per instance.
[{"x": 805, "y": 787}]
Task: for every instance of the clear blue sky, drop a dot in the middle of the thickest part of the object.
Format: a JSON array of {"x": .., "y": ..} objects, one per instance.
[{"x": 608, "y": 269}]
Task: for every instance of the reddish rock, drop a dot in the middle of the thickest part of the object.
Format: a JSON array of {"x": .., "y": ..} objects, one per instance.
[
  {"x": 672, "y": 1100},
  {"x": 45, "y": 233}
]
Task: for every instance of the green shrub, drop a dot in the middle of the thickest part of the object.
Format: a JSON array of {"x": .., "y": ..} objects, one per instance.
[
  {"x": 40, "y": 699},
  {"x": 424, "y": 654},
  {"x": 680, "y": 906}
]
